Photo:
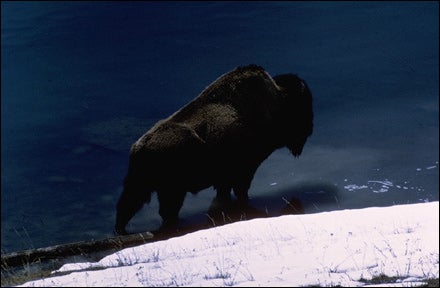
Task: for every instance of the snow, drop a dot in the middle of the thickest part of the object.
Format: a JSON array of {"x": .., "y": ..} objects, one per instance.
[{"x": 347, "y": 248}]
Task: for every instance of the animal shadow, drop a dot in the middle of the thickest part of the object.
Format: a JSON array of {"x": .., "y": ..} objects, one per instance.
[
  {"x": 220, "y": 213},
  {"x": 303, "y": 198}
]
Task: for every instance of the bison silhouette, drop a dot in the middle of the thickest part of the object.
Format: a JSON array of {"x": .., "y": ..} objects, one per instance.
[{"x": 219, "y": 139}]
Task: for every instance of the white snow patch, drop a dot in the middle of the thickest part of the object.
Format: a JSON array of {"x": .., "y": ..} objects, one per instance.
[{"x": 322, "y": 249}]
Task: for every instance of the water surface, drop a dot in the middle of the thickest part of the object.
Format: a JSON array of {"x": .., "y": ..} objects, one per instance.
[{"x": 82, "y": 80}]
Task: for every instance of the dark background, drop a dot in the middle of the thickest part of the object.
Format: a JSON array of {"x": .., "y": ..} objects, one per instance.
[{"x": 81, "y": 81}]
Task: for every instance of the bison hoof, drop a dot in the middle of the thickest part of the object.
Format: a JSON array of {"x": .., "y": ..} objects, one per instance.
[{"x": 120, "y": 231}]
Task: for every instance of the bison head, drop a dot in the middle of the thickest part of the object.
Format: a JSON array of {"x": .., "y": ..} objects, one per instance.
[{"x": 296, "y": 115}]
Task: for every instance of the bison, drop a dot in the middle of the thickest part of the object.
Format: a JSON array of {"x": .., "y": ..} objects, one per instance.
[{"x": 218, "y": 139}]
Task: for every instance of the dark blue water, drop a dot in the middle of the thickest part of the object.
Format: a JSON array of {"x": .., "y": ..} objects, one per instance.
[{"x": 80, "y": 81}]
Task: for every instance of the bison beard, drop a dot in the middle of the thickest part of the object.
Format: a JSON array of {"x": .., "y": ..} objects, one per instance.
[{"x": 219, "y": 139}]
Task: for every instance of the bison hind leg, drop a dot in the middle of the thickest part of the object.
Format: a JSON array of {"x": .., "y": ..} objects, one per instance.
[
  {"x": 170, "y": 203},
  {"x": 130, "y": 202}
]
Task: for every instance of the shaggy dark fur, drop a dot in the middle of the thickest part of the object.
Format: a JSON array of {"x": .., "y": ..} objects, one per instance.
[{"x": 219, "y": 139}]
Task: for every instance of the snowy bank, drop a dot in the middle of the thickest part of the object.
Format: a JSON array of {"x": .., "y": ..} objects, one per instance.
[{"x": 347, "y": 248}]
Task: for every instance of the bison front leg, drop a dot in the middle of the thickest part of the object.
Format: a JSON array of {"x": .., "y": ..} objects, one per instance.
[
  {"x": 241, "y": 192},
  {"x": 243, "y": 183},
  {"x": 170, "y": 203},
  {"x": 223, "y": 194}
]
